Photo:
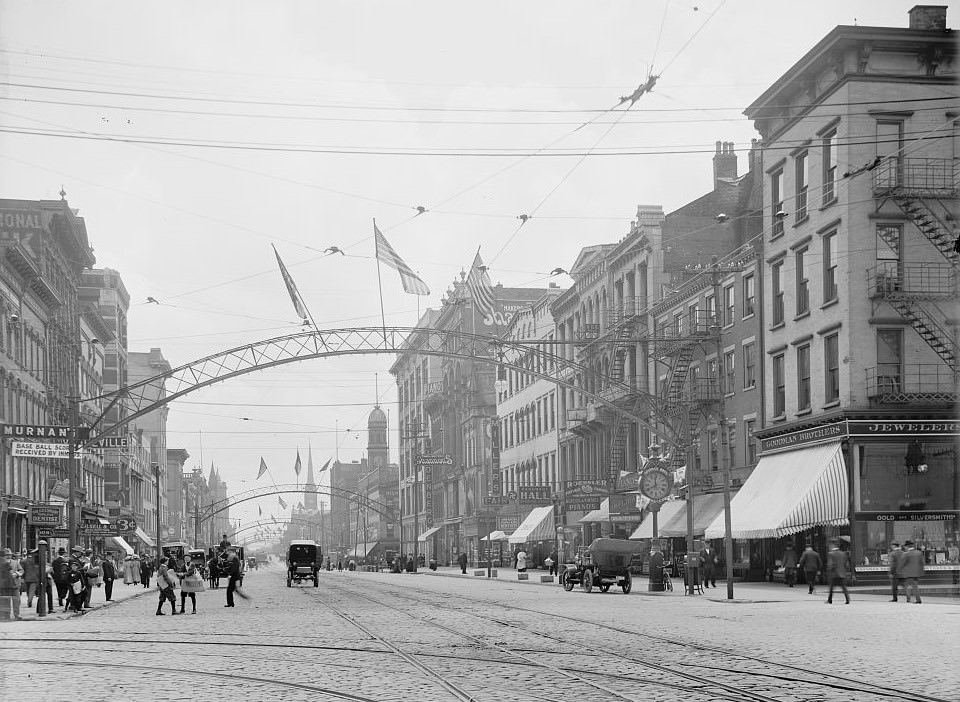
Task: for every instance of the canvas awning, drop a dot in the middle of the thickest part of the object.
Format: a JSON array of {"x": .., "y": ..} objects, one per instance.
[
  {"x": 666, "y": 513},
  {"x": 360, "y": 551},
  {"x": 598, "y": 515},
  {"x": 705, "y": 510},
  {"x": 538, "y": 526},
  {"x": 497, "y": 535},
  {"x": 789, "y": 492},
  {"x": 144, "y": 537},
  {"x": 120, "y": 543},
  {"x": 428, "y": 533}
]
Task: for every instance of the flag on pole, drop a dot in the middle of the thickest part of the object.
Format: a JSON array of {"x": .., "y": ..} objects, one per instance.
[
  {"x": 297, "y": 467},
  {"x": 283, "y": 505},
  {"x": 481, "y": 290},
  {"x": 292, "y": 289},
  {"x": 325, "y": 465},
  {"x": 410, "y": 280},
  {"x": 263, "y": 468}
]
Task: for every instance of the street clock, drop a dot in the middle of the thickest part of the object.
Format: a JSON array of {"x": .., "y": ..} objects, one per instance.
[{"x": 656, "y": 483}]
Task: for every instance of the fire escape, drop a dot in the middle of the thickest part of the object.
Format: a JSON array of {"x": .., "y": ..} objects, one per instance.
[
  {"x": 684, "y": 397},
  {"x": 919, "y": 292}
]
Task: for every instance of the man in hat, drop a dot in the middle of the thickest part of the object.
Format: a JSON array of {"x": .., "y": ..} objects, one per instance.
[
  {"x": 10, "y": 579},
  {"x": 911, "y": 570},
  {"x": 893, "y": 565},
  {"x": 30, "y": 566},
  {"x": 61, "y": 566},
  {"x": 232, "y": 566},
  {"x": 810, "y": 564},
  {"x": 838, "y": 570}
]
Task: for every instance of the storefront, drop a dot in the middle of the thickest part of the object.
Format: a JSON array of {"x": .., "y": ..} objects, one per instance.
[{"x": 873, "y": 482}]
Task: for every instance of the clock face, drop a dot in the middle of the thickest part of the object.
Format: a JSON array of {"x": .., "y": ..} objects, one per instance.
[{"x": 655, "y": 484}]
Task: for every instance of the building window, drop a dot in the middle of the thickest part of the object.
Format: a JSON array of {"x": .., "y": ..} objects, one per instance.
[
  {"x": 714, "y": 440},
  {"x": 729, "y": 305},
  {"x": 803, "y": 284},
  {"x": 776, "y": 203},
  {"x": 692, "y": 318},
  {"x": 830, "y": 267},
  {"x": 801, "y": 186},
  {"x": 749, "y": 295},
  {"x": 890, "y": 150},
  {"x": 711, "y": 311},
  {"x": 831, "y": 366},
  {"x": 803, "y": 377},
  {"x": 729, "y": 380},
  {"x": 779, "y": 387},
  {"x": 889, "y": 238},
  {"x": 890, "y": 359},
  {"x": 749, "y": 427},
  {"x": 749, "y": 366},
  {"x": 678, "y": 323},
  {"x": 829, "y": 144},
  {"x": 776, "y": 281}
]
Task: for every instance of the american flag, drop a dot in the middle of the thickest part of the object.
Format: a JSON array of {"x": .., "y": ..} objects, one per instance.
[
  {"x": 478, "y": 282},
  {"x": 410, "y": 280}
]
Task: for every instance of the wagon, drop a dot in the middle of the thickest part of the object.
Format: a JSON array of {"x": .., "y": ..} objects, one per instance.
[{"x": 606, "y": 562}]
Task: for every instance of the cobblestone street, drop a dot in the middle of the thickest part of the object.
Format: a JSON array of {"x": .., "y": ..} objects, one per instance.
[{"x": 444, "y": 636}]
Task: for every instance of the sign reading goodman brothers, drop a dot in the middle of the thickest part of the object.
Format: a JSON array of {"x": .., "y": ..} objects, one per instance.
[{"x": 891, "y": 429}]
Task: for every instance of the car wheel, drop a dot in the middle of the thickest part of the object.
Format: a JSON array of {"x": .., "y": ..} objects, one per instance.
[
  {"x": 587, "y": 581},
  {"x": 627, "y": 584}
]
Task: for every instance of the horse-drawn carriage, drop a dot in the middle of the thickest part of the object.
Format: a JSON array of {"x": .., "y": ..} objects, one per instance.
[
  {"x": 217, "y": 564},
  {"x": 604, "y": 563},
  {"x": 303, "y": 562}
]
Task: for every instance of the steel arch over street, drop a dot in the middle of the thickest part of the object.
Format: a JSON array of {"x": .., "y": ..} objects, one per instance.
[
  {"x": 220, "y": 505},
  {"x": 141, "y": 398}
]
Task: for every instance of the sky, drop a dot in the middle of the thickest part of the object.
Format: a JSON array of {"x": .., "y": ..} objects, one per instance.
[{"x": 192, "y": 136}]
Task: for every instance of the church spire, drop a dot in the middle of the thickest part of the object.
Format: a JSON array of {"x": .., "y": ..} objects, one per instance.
[{"x": 310, "y": 487}]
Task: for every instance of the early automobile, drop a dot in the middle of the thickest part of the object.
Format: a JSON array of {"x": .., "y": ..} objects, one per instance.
[
  {"x": 604, "y": 563},
  {"x": 303, "y": 562},
  {"x": 198, "y": 558}
]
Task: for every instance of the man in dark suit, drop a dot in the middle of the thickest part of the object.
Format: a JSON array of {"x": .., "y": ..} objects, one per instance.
[
  {"x": 462, "y": 560},
  {"x": 233, "y": 571},
  {"x": 109, "y": 575},
  {"x": 839, "y": 569},
  {"x": 708, "y": 565}
]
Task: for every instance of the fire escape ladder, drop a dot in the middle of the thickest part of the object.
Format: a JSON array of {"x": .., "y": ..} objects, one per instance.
[
  {"x": 618, "y": 445},
  {"x": 678, "y": 375},
  {"x": 927, "y": 327},
  {"x": 621, "y": 346},
  {"x": 932, "y": 227}
]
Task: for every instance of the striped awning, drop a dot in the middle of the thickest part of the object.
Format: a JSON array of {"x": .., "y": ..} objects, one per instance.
[
  {"x": 787, "y": 493},
  {"x": 429, "y": 532},
  {"x": 705, "y": 511},
  {"x": 602, "y": 514},
  {"x": 666, "y": 513},
  {"x": 538, "y": 526}
]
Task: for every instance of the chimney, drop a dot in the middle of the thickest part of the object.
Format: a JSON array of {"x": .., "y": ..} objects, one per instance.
[
  {"x": 930, "y": 17},
  {"x": 724, "y": 162},
  {"x": 753, "y": 158}
]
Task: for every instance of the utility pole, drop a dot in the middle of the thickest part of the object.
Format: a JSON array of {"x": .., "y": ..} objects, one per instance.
[
  {"x": 724, "y": 438},
  {"x": 156, "y": 475},
  {"x": 72, "y": 472}
]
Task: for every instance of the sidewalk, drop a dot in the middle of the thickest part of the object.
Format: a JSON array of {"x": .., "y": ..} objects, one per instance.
[
  {"x": 120, "y": 593},
  {"x": 742, "y": 591}
]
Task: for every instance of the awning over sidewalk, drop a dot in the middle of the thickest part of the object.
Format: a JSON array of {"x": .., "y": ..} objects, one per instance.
[
  {"x": 666, "y": 513},
  {"x": 598, "y": 515},
  {"x": 538, "y": 526},
  {"x": 428, "y": 533},
  {"x": 360, "y": 551},
  {"x": 705, "y": 511},
  {"x": 497, "y": 535},
  {"x": 121, "y": 543},
  {"x": 144, "y": 538},
  {"x": 789, "y": 492}
]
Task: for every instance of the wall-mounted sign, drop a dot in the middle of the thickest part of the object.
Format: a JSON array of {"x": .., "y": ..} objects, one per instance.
[
  {"x": 829, "y": 432},
  {"x": 46, "y": 515},
  {"x": 864, "y": 427},
  {"x": 444, "y": 460},
  {"x": 36, "y": 449}
]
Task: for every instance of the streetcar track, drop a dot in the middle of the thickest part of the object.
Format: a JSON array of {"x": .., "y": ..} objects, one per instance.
[
  {"x": 843, "y": 683},
  {"x": 165, "y": 670}
]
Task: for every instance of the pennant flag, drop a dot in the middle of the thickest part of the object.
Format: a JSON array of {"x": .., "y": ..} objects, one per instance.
[
  {"x": 410, "y": 280},
  {"x": 325, "y": 465},
  {"x": 259, "y": 511},
  {"x": 263, "y": 468},
  {"x": 283, "y": 505},
  {"x": 299, "y": 506},
  {"x": 274, "y": 518},
  {"x": 292, "y": 289},
  {"x": 297, "y": 467},
  {"x": 478, "y": 282}
]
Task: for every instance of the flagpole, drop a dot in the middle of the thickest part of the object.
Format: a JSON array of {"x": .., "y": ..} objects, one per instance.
[{"x": 383, "y": 316}]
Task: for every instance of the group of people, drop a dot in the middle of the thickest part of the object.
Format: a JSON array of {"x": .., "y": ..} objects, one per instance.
[
  {"x": 906, "y": 568},
  {"x": 73, "y": 576}
]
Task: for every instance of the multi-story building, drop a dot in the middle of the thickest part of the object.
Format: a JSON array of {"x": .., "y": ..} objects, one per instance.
[
  {"x": 179, "y": 518},
  {"x": 45, "y": 249},
  {"x": 601, "y": 324},
  {"x": 151, "y": 430},
  {"x": 528, "y": 433},
  {"x": 860, "y": 298}
]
